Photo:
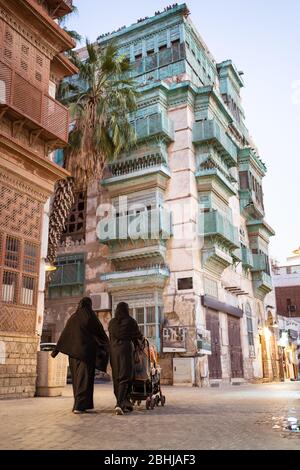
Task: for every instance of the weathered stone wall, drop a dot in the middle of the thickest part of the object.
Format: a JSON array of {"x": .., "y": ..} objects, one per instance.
[{"x": 18, "y": 364}]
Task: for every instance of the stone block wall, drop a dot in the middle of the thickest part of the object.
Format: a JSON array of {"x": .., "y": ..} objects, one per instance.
[{"x": 18, "y": 364}]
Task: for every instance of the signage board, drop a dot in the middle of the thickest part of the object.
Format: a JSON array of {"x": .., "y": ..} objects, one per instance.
[{"x": 174, "y": 339}]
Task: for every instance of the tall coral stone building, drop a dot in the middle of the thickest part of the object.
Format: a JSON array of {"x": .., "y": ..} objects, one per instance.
[
  {"x": 185, "y": 241},
  {"x": 32, "y": 124}
]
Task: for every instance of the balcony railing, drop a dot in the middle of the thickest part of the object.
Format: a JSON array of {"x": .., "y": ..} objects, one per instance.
[
  {"x": 247, "y": 257},
  {"x": 262, "y": 281},
  {"x": 214, "y": 224},
  {"x": 160, "y": 59},
  {"x": 154, "y": 125},
  {"x": 215, "y": 172},
  {"x": 211, "y": 131},
  {"x": 141, "y": 164},
  {"x": 267, "y": 280},
  {"x": 147, "y": 225},
  {"x": 38, "y": 108},
  {"x": 139, "y": 272},
  {"x": 260, "y": 262}
]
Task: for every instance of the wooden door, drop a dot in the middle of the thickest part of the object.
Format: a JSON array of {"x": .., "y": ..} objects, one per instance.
[
  {"x": 214, "y": 360},
  {"x": 264, "y": 356},
  {"x": 235, "y": 347},
  {"x": 274, "y": 360}
]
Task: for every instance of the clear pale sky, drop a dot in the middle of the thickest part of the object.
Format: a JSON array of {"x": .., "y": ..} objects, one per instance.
[{"x": 263, "y": 39}]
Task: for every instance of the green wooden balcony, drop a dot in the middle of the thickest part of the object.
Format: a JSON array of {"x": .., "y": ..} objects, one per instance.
[
  {"x": 148, "y": 225},
  {"x": 216, "y": 174},
  {"x": 147, "y": 277},
  {"x": 155, "y": 125},
  {"x": 247, "y": 257},
  {"x": 159, "y": 59},
  {"x": 262, "y": 283},
  {"x": 259, "y": 263},
  {"x": 138, "y": 272},
  {"x": 217, "y": 226},
  {"x": 261, "y": 278},
  {"x": 211, "y": 132}
]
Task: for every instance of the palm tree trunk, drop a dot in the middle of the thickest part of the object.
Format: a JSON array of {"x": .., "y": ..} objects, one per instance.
[{"x": 62, "y": 203}]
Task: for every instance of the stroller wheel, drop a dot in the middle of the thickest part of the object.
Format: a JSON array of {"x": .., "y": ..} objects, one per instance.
[
  {"x": 157, "y": 400},
  {"x": 148, "y": 403},
  {"x": 152, "y": 403},
  {"x": 163, "y": 400}
]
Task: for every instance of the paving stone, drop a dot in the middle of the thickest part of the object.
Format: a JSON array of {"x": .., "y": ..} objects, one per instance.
[{"x": 225, "y": 418}]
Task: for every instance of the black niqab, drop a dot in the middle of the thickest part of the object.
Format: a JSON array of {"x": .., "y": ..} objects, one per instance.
[
  {"x": 123, "y": 327},
  {"x": 83, "y": 334}
]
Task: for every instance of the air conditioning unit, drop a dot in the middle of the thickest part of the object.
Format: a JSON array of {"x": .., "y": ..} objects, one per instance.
[{"x": 101, "y": 301}]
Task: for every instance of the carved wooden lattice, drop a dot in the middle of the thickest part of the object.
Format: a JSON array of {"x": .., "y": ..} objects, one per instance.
[
  {"x": 21, "y": 217},
  {"x": 20, "y": 213}
]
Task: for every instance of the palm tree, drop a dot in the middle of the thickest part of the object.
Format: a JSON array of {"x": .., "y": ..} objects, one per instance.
[{"x": 105, "y": 95}]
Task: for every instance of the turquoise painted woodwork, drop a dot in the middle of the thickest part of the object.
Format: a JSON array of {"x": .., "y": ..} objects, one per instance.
[
  {"x": 154, "y": 126},
  {"x": 154, "y": 224},
  {"x": 221, "y": 176},
  {"x": 247, "y": 257},
  {"x": 162, "y": 271},
  {"x": 211, "y": 132},
  {"x": 216, "y": 225},
  {"x": 259, "y": 262},
  {"x": 174, "y": 69},
  {"x": 262, "y": 283}
]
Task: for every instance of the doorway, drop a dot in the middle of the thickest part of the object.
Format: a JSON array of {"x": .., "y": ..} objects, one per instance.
[
  {"x": 235, "y": 347},
  {"x": 214, "y": 360}
]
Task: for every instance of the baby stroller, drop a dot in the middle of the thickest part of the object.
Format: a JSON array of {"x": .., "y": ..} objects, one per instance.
[{"x": 146, "y": 383}]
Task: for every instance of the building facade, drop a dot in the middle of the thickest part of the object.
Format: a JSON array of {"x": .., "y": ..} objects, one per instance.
[
  {"x": 286, "y": 279},
  {"x": 177, "y": 227},
  {"x": 32, "y": 125}
]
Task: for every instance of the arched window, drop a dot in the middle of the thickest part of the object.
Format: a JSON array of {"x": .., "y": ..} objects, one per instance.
[{"x": 248, "y": 312}]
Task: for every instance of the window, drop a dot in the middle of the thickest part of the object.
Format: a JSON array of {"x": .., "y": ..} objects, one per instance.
[
  {"x": 249, "y": 326},
  {"x": 68, "y": 279},
  {"x": 27, "y": 290},
  {"x": 185, "y": 283},
  {"x": 147, "y": 320},
  {"x": 19, "y": 274},
  {"x": 59, "y": 157},
  {"x": 75, "y": 226},
  {"x": 244, "y": 179}
]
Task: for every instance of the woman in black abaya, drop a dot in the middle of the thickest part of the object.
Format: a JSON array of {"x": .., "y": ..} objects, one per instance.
[
  {"x": 83, "y": 340},
  {"x": 123, "y": 333}
]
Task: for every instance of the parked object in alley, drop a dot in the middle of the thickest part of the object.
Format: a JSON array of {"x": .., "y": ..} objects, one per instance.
[
  {"x": 51, "y": 374},
  {"x": 146, "y": 384}
]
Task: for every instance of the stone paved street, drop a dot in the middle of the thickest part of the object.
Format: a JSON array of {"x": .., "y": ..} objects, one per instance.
[{"x": 232, "y": 417}]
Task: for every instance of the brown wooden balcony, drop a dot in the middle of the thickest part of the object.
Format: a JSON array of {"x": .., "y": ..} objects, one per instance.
[
  {"x": 59, "y": 8},
  {"x": 32, "y": 107}
]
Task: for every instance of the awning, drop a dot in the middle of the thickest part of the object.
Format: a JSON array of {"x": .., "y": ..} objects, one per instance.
[{"x": 215, "y": 304}]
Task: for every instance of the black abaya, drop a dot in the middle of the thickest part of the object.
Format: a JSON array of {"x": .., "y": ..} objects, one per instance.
[
  {"x": 82, "y": 339},
  {"x": 124, "y": 331},
  {"x": 83, "y": 384}
]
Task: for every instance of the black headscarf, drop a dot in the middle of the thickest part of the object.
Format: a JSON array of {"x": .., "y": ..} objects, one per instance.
[
  {"x": 123, "y": 327},
  {"x": 83, "y": 334}
]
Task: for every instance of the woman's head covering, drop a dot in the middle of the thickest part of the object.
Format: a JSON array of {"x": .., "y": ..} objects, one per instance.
[
  {"x": 86, "y": 302},
  {"x": 122, "y": 311}
]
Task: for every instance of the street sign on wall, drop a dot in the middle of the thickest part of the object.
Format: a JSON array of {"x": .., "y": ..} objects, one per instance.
[
  {"x": 174, "y": 339},
  {"x": 203, "y": 341}
]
